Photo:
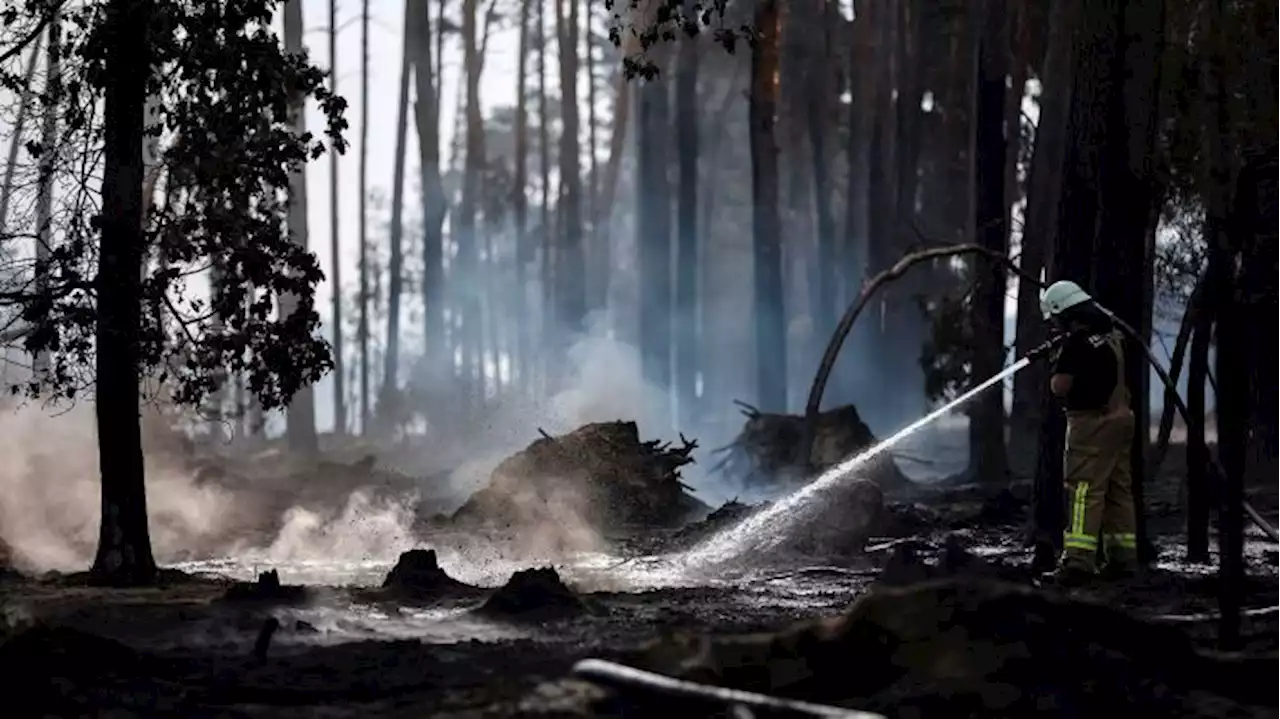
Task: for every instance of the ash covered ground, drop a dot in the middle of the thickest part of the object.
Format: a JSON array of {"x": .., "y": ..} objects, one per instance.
[{"x": 908, "y": 599}]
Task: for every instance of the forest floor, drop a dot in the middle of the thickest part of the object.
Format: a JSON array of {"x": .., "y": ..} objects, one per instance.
[{"x": 186, "y": 649}]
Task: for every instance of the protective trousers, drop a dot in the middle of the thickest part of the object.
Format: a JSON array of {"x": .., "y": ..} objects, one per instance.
[{"x": 1099, "y": 483}]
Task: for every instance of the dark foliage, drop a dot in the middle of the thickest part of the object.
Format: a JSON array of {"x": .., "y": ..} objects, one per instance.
[{"x": 223, "y": 89}]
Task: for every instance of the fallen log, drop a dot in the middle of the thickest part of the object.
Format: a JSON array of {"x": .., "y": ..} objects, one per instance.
[{"x": 623, "y": 678}]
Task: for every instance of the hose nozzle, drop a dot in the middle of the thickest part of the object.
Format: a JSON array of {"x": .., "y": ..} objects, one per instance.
[{"x": 1048, "y": 346}]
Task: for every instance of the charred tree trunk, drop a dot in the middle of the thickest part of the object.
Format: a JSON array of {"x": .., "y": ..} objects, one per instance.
[
  {"x": 1076, "y": 226},
  {"x": 124, "y": 542},
  {"x": 1039, "y": 230},
  {"x": 653, "y": 229},
  {"x": 335, "y": 247},
  {"x": 609, "y": 191},
  {"x": 1217, "y": 151},
  {"x": 596, "y": 298},
  {"x": 686, "y": 131},
  {"x": 426, "y": 112},
  {"x": 302, "y": 410},
  {"x": 771, "y": 352},
  {"x": 465, "y": 225},
  {"x": 1127, "y": 191},
  {"x": 572, "y": 268},
  {"x": 986, "y": 420},
  {"x": 544, "y": 161},
  {"x": 388, "y": 405},
  {"x": 901, "y": 329},
  {"x": 819, "y": 129},
  {"x": 362, "y": 330},
  {"x": 520, "y": 201},
  {"x": 863, "y": 79}
]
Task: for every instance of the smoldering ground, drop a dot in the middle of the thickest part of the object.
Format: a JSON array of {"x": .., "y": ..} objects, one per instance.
[{"x": 265, "y": 508}]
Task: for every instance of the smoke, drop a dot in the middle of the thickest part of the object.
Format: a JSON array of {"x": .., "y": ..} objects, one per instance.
[
  {"x": 51, "y": 501},
  {"x": 255, "y": 511}
]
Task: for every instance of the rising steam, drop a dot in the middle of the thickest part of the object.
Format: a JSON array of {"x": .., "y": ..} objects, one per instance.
[{"x": 50, "y": 503}]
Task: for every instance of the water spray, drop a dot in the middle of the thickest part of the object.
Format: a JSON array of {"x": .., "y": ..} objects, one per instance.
[{"x": 770, "y": 519}]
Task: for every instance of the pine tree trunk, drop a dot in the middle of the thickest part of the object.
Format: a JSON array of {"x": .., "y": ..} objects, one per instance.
[
  {"x": 1127, "y": 189},
  {"x": 771, "y": 351},
  {"x": 819, "y": 121},
  {"x": 362, "y": 330},
  {"x": 571, "y": 270},
  {"x": 545, "y": 238},
  {"x": 603, "y": 222},
  {"x": 124, "y": 543},
  {"x": 653, "y": 229},
  {"x": 302, "y": 409},
  {"x": 465, "y": 222},
  {"x": 686, "y": 315},
  {"x": 1039, "y": 230},
  {"x": 335, "y": 247},
  {"x": 596, "y": 298},
  {"x": 388, "y": 409},
  {"x": 520, "y": 202},
  {"x": 987, "y": 461},
  {"x": 426, "y": 112}
]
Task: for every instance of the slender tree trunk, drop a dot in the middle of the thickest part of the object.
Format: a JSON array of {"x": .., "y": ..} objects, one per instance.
[
  {"x": 771, "y": 356},
  {"x": 19, "y": 125},
  {"x": 302, "y": 409},
  {"x": 686, "y": 130},
  {"x": 520, "y": 202},
  {"x": 863, "y": 81},
  {"x": 1039, "y": 230},
  {"x": 653, "y": 230},
  {"x": 603, "y": 223},
  {"x": 44, "y": 186},
  {"x": 124, "y": 542},
  {"x": 544, "y": 162},
  {"x": 388, "y": 407},
  {"x": 987, "y": 461},
  {"x": 819, "y": 120},
  {"x": 362, "y": 330},
  {"x": 465, "y": 225},
  {"x": 596, "y": 298},
  {"x": 1217, "y": 151},
  {"x": 335, "y": 246},
  {"x": 1127, "y": 190},
  {"x": 570, "y": 282},
  {"x": 426, "y": 112}
]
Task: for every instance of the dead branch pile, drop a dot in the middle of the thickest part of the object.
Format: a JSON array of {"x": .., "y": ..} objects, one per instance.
[
  {"x": 601, "y": 474},
  {"x": 769, "y": 449}
]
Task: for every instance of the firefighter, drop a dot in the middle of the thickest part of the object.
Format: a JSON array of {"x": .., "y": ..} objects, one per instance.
[{"x": 1088, "y": 379}]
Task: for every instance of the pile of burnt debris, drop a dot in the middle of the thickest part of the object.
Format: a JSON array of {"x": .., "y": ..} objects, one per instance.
[
  {"x": 600, "y": 474},
  {"x": 769, "y": 449}
]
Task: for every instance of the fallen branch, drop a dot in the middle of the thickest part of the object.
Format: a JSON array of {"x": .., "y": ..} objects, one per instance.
[
  {"x": 622, "y": 677},
  {"x": 864, "y": 296}
]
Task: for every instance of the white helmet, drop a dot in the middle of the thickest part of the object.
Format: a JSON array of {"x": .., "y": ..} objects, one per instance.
[{"x": 1061, "y": 296}]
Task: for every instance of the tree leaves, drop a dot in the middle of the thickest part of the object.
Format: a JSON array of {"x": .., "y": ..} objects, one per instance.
[{"x": 224, "y": 88}]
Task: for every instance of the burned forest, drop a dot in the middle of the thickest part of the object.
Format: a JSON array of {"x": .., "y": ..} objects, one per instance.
[{"x": 623, "y": 358}]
